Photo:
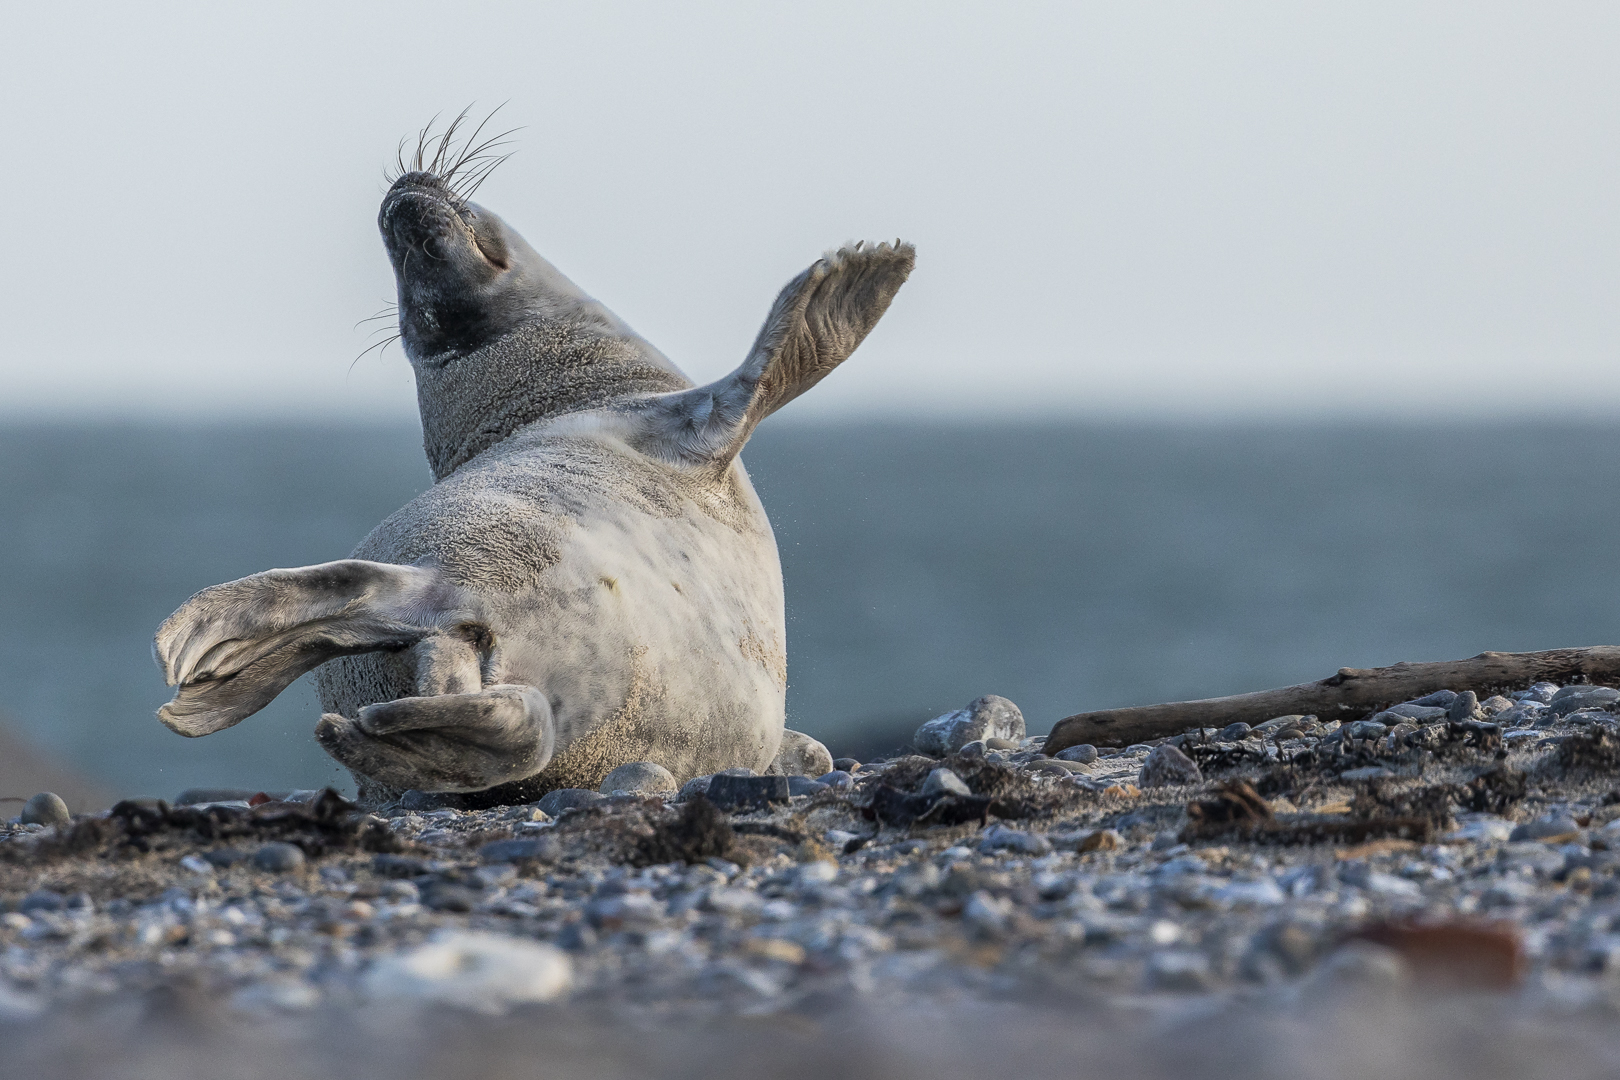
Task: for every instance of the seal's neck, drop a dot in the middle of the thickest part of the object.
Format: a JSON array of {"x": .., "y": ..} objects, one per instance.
[{"x": 560, "y": 363}]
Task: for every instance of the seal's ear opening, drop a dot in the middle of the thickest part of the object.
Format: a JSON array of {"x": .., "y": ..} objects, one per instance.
[{"x": 815, "y": 324}]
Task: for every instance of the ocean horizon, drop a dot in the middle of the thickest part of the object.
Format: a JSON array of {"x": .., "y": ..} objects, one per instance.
[{"x": 1067, "y": 565}]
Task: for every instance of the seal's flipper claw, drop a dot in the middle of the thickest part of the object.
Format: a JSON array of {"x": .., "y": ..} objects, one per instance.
[
  {"x": 451, "y": 742},
  {"x": 233, "y": 647},
  {"x": 815, "y": 324}
]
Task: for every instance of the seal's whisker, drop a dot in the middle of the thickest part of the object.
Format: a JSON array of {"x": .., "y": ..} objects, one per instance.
[
  {"x": 440, "y": 156},
  {"x": 389, "y": 312},
  {"x": 473, "y": 150},
  {"x": 383, "y": 345},
  {"x": 467, "y": 190},
  {"x": 422, "y": 138}
]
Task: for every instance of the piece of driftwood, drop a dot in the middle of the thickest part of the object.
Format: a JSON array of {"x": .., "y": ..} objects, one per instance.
[{"x": 1350, "y": 694}]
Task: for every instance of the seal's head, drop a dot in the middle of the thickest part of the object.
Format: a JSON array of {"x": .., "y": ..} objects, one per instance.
[{"x": 465, "y": 277}]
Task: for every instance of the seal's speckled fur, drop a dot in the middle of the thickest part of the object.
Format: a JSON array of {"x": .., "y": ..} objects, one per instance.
[{"x": 591, "y": 581}]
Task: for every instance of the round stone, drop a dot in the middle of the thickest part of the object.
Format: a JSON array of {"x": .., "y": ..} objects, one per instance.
[
  {"x": 46, "y": 808},
  {"x": 1234, "y": 732},
  {"x": 845, "y": 764},
  {"x": 1084, "y": 754},
  {"x": 945, "y": 782},
  {"x": 1168, "y": 767},
  {"x": 279, "y": 858},
  {"x": 639, "y": 776}
]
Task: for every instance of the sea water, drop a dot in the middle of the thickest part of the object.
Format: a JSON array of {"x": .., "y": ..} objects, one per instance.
[{"x": 1067, "y": 566}]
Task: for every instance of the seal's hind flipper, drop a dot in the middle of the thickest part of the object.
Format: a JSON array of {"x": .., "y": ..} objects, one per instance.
[
  {"x": 233, "y": 647},
  {"x": 450, "y": 742},
  {"x": 815, "y": 324}
]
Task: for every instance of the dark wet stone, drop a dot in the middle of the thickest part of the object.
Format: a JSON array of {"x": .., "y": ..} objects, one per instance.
[
  {"x": 448, "y": 896},
  {"x": 279, "y": 858},
  {"x": 838, "y": 778},
  {"x": 398, "y": 866},
  {"x": 225, "y": 856},
  {"x": 554, "y": 803},
  {"x": 846, "y": 764},
  {"x": 747, "y": 792},
  {"x": 1234, "y": 732},
  {"x": 1084, "y": 754},
  {"x": 1440, "y": 699}
]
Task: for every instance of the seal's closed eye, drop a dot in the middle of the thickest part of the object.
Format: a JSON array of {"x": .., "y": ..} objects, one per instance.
[{"x": 487, "y": 235}]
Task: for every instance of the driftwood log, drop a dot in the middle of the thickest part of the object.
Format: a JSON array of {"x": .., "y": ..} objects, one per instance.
[{"x": 1349, "y": 695}]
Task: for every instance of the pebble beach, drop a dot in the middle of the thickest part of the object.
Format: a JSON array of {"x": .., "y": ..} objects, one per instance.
[{"x": 1459, "y": 849}]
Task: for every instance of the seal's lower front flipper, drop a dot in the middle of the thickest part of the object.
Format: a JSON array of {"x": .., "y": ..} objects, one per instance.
[
  {"x": 233, "y": 647},
  {"x": 816, "y": 323},
  {"x": 449, "y": 742}
]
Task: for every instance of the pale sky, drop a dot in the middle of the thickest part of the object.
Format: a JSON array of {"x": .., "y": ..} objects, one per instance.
[{"x": 1152, "y": 208}]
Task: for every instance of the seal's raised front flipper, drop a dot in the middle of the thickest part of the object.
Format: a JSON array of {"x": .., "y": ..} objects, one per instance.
[
  {"x": 815, "y": 324},
  {"x": 449, "y": 742},
  {"x": 233, "y": 647}
]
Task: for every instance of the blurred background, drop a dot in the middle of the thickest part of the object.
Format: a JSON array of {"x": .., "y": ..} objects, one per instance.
[{"x": 1247, "y": 341}]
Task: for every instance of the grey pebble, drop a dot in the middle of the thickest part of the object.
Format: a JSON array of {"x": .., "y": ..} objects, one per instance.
[
  {"x": 1168, "y": 767},
  {"x": 838, "y": 778},
  {"x": 279, "y": 858},
  {"x": 1439, "y": 699},
  {"x": 46, "y": 808},
  {"x": 544, "y": 848},
  {"x": 448, "y": 896},
  {"x": 398, "y": 866},
  {"x": 553, "y": 803},
  {"x": 1083, "y": 754},
  {"x": 1541, "y": 693},
  {"x": 803, "y": 785},
  {"x": 1234, "y": 732},
  {"x": 638, "y": 776},
  {"x": 1576, "y": 698},
  {"x": 1465, "y": 707},
  {"x": 1552, "y": 825},
  {"x": 988, "y": 717},
  {"x": 698, "y": 785},
  {"x": 1364, "y": 729},
  {"x": 945, "y": 782}
]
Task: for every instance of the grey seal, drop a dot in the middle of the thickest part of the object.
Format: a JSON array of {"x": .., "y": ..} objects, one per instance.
[{"x": 590, "y": 581}]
